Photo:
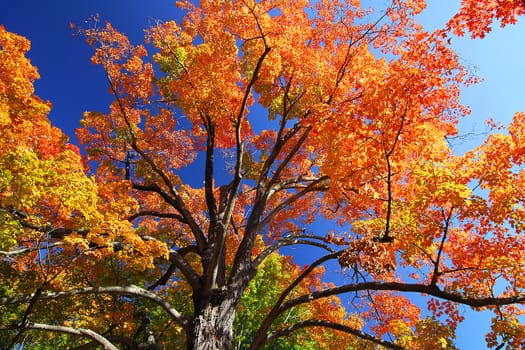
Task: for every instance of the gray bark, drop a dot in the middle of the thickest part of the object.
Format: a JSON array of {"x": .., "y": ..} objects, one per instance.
[{"x": 213, "y": 324}]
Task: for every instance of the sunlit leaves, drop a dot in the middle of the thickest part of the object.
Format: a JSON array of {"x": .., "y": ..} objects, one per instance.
[
  {"x": 477, "y": 17},
  {"x": 248, "y": 127},
  {"x": 371, "y": 128}
]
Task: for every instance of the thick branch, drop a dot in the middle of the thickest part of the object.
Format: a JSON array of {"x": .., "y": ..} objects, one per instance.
[
  {"x": 431, "y": 290},
  {"x": 53, "y": 232},
  {"x": 337, "y": 326},
  {"x": 129, "y": 343},
  {"x": 176, "y": 264},
  {"x": 157, "y": 215},
  {"x": 191, "y": 276},
  {"x": 292, "y": 240},
  {"x": 406, "y": 287},
  {"x": 165, "y": 277},
  {"x": 87, "y": 333},
  {"x": 177, "y": 257},
  {"x": 178, "y": 204},
  {"x": 155, "y": 188},
  {"x": 130, "y": 290},
  {"x": 208, "y": 172},
  {"x": 297, "y": 182},
  {"x": 218, "y": 254},
  {"x": 238, "y": 141},
  {"x": 243, "y": 255},
  {"x": 241, "y": 264},
  {"x": 30, "y": 249},
  {"x": 25, "y": 317},
  {"x": 215, "y": 233}
]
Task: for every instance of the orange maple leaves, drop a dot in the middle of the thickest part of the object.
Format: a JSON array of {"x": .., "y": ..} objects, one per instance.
[
  {"x": 324, "y": 113},
  {"x": 45, "y": 193},
  {"x": 477, "y": 17}
]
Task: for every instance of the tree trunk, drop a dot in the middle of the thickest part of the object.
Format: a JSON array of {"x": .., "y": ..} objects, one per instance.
[{"x": 213, "y": 323}]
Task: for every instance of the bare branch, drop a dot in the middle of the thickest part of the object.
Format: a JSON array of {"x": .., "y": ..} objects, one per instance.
[
  {"x": 27, "y": 313},
  {"x": 263, "y": 35},
  {"x": 54, "y": 232},
  {"x": 406, "y": 287},
  {"x": 288, "y": 158},
  {"x": 436, "y": 273},
  {"x": 30, "y": 249},
  {"x": 218, "y": 253},
  {"x": 292, "y": 240},
  {"x": 386, "y": 237},
  {"x": 296, "y": 183},
  {"x": 278, "y": 145},
  {"x": 186, "y": 269},
  {"x": 129, "y": 343},
  {"x": 337, "y": 326},
  {"x": 87, "y": 333},
  {"x": 255, "y": 224},
  {"x": 239, "y": 144},
  {"x": 156, "y": 214},
  {"x": 312, "y": 187},
  {"x": 208, "y": 172},
  {"x": 173, "y": 266}
]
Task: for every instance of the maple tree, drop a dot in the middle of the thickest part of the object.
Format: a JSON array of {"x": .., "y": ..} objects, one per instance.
[{"x": 321, "y": 125}]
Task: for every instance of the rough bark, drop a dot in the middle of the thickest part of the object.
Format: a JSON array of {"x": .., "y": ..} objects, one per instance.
[{"x": 213, "y": 324}]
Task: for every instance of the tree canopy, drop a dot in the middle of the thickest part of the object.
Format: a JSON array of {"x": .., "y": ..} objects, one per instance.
[{"x": 245, "y": 134}]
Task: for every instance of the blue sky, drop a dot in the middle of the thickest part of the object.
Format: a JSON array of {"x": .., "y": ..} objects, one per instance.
[
  {"x": 68, "y": 79},
  {"x": 74, "y": 85},
  {"x": 498, "y": 59}
]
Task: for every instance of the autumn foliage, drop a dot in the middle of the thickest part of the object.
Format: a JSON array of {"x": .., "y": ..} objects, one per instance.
[{"x": 246, "y": 135}]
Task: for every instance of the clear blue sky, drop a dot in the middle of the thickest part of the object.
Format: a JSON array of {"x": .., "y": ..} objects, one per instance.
[
  {"x": 73, "y": 85},
  {"x": 68, "y": 79}
]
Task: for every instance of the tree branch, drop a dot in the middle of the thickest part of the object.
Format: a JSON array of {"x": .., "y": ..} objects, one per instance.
[
  {"x": 177, "y": 258},
  {"x": 292, "y": 240},
  {"x": 54, "y": 232},
  {"x": 278, "y": 145},
  {"x": 158, "y": 215},
  {"x": 337, "y": 326},
  {"x": 309, "y": 188},
  {"x": 87, "y": 333},
  {"x": 177, "y": 200},
  {"x": 276, "y": 175},
  {"x": 436, "y": 273},
  {"x": 386, "y": 237},
  {"x": 180, "y": 207},
  {"x": 208, "y": 173},
  {"x": 233, "y": 190},
  {"x": 174, "y": 265},
  {"x": 261, "y": 336},
  {"x": 30, "y": 249},
  {"x": 129, "y": 343},
  {"x": 406, "y": 287},
  {"x": 27, "y": 313},
  {"x": 130, "y": 290}
]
